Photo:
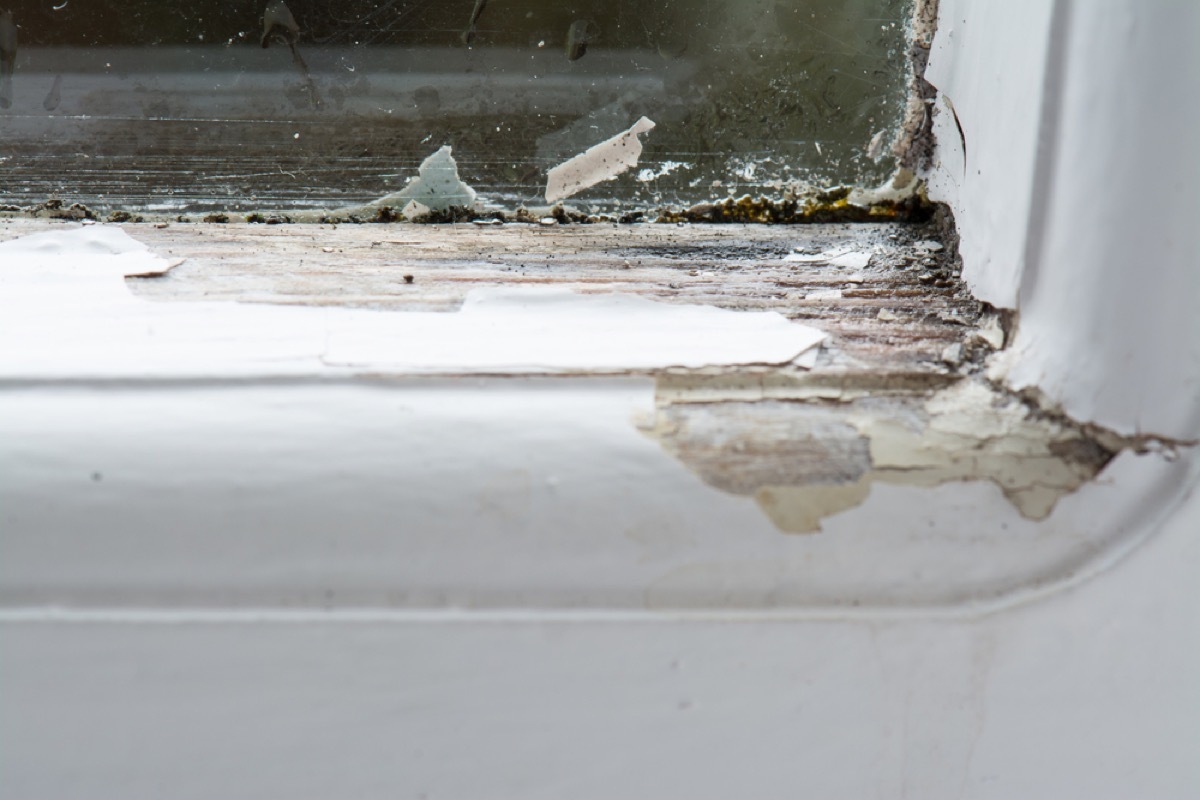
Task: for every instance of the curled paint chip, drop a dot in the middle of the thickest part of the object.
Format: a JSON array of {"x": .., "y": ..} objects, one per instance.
[{"x": 598, "y": 163}]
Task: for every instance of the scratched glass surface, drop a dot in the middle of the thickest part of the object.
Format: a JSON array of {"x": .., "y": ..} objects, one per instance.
[{"x": 240, "y": 105}]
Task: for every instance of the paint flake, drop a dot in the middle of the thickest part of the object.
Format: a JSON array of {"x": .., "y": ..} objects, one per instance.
[
  {"x": 598, "y": 163},
  {"x": 437, "y": 187},
  {"x": 846, "y": 259},
  {"x": 65, "y": 311}
]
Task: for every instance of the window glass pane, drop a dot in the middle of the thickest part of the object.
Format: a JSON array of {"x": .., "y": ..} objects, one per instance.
[{"x": 240, "y": 105}]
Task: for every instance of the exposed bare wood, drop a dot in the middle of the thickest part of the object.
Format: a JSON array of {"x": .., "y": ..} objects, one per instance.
[
  {"x": 895, "y": 395},
  {"x": 901, "y": 312}
]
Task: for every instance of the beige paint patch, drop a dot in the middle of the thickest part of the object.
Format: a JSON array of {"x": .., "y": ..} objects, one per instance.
[
  {"x": 800, "y": 509},
  {"x": 807, "y": 459},
  {"x": 976, "y": 433}
]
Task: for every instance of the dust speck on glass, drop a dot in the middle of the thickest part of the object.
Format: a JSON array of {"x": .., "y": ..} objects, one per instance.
[{"x": 293, "y": 104}]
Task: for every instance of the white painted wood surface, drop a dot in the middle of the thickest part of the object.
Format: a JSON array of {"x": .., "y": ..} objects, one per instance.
[
  {"x": 1089, "y": 693},
  {"x": 182, "y": 453},
  {"x": 1076, "y": 199},
  {"x": 168, "y": 630}
]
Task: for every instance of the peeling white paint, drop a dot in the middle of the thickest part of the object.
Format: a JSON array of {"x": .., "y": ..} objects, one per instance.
[
  {"x": 875, "y": 146},
  {"x": 65, "y": 311},
  {"x": 482, "y": 494},
  {"x": 598, "y": 163},
  {"x": 549, "y": 329},
  {"x": 225, "y": 556},
  {"x": 805, "y": 460},
  {"x": 666, "y": 168},
  {"x": 898, "y": 188},
  {"x": 846, "y": 259},
  {"x": 991, "y": 331},
  {"x": 436, "y": 187},
  {"x": 561, "y": 455},
  {"x": 973, "y": 433}
]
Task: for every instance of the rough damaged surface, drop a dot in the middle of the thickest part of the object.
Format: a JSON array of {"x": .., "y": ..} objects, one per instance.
[
  {"x": 897, "y": 394},
  {"x": 898, "y": 314},
  {"x": 819, "y": 453},
  {"x": 915, "y": 146}
]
